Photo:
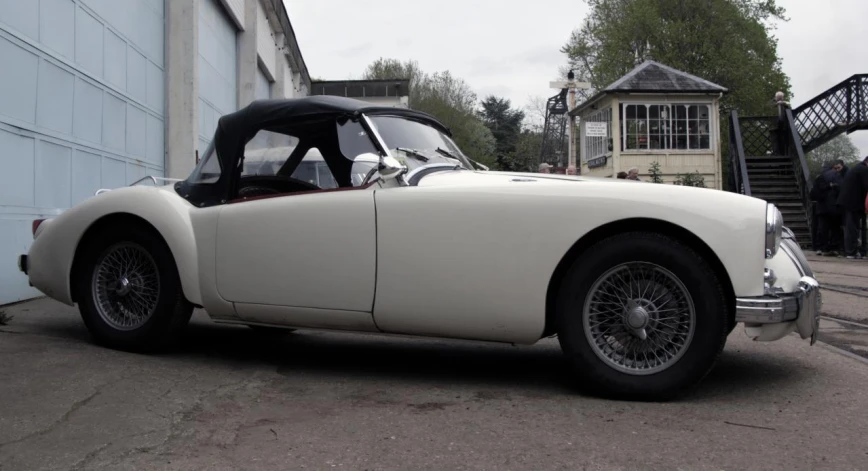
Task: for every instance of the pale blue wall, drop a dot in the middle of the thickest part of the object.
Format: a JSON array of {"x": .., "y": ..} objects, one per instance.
[
  {"x": 218, "y": 59},
  {"x": 81, "y": 108}
]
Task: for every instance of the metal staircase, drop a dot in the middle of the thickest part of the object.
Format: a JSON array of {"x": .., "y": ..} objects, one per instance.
[{"x": 767, "y": 153}]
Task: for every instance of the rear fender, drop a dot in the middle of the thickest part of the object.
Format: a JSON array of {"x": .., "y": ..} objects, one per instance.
[{"x": 54, "y": 252}]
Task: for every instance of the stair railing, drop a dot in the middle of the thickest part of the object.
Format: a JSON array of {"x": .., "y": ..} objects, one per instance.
[
  {"x": 800, "y": 163},
  {"x": 739, "y": 180}
]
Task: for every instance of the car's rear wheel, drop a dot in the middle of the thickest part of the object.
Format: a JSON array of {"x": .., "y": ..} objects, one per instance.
[
  {"x": 129, "y": 292},
  {"x": 641, "y": 315}
]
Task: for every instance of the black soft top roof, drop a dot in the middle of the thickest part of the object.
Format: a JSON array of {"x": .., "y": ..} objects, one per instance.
[
  {"x": 308, "y": 115},
  {"x": 262, "y": 114}
]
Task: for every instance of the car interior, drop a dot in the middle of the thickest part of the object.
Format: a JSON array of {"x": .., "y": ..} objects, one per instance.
[{"x": 279, "y": 162}]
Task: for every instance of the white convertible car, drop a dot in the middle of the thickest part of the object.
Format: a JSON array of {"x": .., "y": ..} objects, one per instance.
[{"x": 641, "y": 283}]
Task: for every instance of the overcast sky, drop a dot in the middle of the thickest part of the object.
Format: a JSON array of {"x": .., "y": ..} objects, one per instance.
[{"x": 511, "y": 47}]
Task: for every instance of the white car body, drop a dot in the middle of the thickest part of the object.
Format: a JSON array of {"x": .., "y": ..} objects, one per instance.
[
  {"x": 368, "y": 247},
  {"x": 461, "y": 254}
]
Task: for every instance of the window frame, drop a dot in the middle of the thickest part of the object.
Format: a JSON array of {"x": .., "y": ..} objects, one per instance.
[
  {"x": 672, "y": 133},
  {"x": 596, "y": 147}
]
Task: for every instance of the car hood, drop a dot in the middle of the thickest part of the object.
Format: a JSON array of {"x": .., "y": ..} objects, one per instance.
[
  {"x": 486, "y": 178},
  {"x": 598, "y": 190}
]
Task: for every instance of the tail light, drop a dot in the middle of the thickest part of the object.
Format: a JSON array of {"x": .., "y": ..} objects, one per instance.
[{"x": 36, "y": 224}]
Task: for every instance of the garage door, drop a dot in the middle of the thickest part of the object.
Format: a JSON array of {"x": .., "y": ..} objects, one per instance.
[
  {"x": 81, "y": 108},
  {"x": 217, "y": 67}
]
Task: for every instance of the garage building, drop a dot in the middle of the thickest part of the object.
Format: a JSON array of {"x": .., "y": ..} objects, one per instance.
[{"x": 101, "y": 93}]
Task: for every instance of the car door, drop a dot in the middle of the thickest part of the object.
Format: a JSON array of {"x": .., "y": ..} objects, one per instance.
[{"x": 313, "y": 250}]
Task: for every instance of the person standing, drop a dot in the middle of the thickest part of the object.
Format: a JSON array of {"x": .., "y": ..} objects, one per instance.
[
  {"x": 633, "y": 174},
  {"x": 854, "y": 190},
  {"x": 840, "y": 167},
  {"x": 825, "y": 194}
]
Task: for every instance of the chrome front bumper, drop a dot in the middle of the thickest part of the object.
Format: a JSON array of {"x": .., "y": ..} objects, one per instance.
[
  {"x": 780, "y": 308},
  {"x": 777, "y": 312}
]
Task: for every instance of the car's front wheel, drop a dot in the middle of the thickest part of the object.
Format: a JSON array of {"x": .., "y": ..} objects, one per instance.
[
  {"x": 641, "y": 315},
  {"x": 129, "y": 291}
]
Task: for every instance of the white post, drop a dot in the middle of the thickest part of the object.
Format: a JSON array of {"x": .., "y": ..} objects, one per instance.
[
  {"x": 571, "y": 166},
  {"x": 572, "y": 85}
]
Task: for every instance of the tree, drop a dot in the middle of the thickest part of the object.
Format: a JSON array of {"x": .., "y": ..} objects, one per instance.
[
  {"x": 388, "y": 69},
  {"x": 728, "y": 42},
  {"x": 448, "y": 98},
  {"x": 527, "y": 149},
  {"x": 654, "y": 170},
  {"x": 840, "y": 147},
  {"x": 503, "y": 121}
]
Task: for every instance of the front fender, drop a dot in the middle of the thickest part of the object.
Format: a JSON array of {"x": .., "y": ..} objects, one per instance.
[{"x": 53, "y": 252}]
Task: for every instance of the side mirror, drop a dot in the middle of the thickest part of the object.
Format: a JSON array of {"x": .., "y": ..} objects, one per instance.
[{"x": 390, "y": 168}]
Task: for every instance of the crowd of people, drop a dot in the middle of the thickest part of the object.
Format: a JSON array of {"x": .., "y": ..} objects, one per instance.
[{"x": 840, "y": 195}]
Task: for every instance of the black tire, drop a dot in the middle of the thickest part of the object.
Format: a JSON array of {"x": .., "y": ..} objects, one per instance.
[
  {"x": 171, "y": 312},
  {"x": 711, "y": 325}
]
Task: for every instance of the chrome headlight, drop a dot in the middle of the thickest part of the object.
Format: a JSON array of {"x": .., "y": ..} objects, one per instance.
[{"x": 774, "y": 230}]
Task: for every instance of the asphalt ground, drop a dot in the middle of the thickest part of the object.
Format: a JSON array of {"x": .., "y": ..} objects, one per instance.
[{"x": 232, "y": 399}]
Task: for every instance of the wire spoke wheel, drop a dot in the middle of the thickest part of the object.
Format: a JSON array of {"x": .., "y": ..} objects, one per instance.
[
  {"x": 639, "y": 318},
  {"x": 126, "y": 286}
]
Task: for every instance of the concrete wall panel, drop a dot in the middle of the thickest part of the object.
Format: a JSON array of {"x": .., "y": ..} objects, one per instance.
[
  {"x": 18, "y": 93},
  {"x": 87, "y": 107},
  {"x": 115, "y": 60},
  {"x": 114, "y": 123},
  {"x": 86, "y": 175},
  {"x": 137, "y": 75},
  {"x": 57, "y": 26},
  {"x": 81, "y": 108},
  {"x": 53, "y": 186},
  {"x": 55, "y": 87},
  {"x": 114, "y": 173},
  {"x": 18, "y": 160},
  {"x": 89, "y": 49},
  {"x": 20, "y": 16},
  {"x": 265, "y": 46},
  {"x": 137, "y": 125},
  {"x": 217, "y": 67},
  {"x": 263, "y": 85}
]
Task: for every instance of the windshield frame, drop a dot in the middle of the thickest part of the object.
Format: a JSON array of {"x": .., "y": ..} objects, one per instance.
[{"x": 437, "y": 159}]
